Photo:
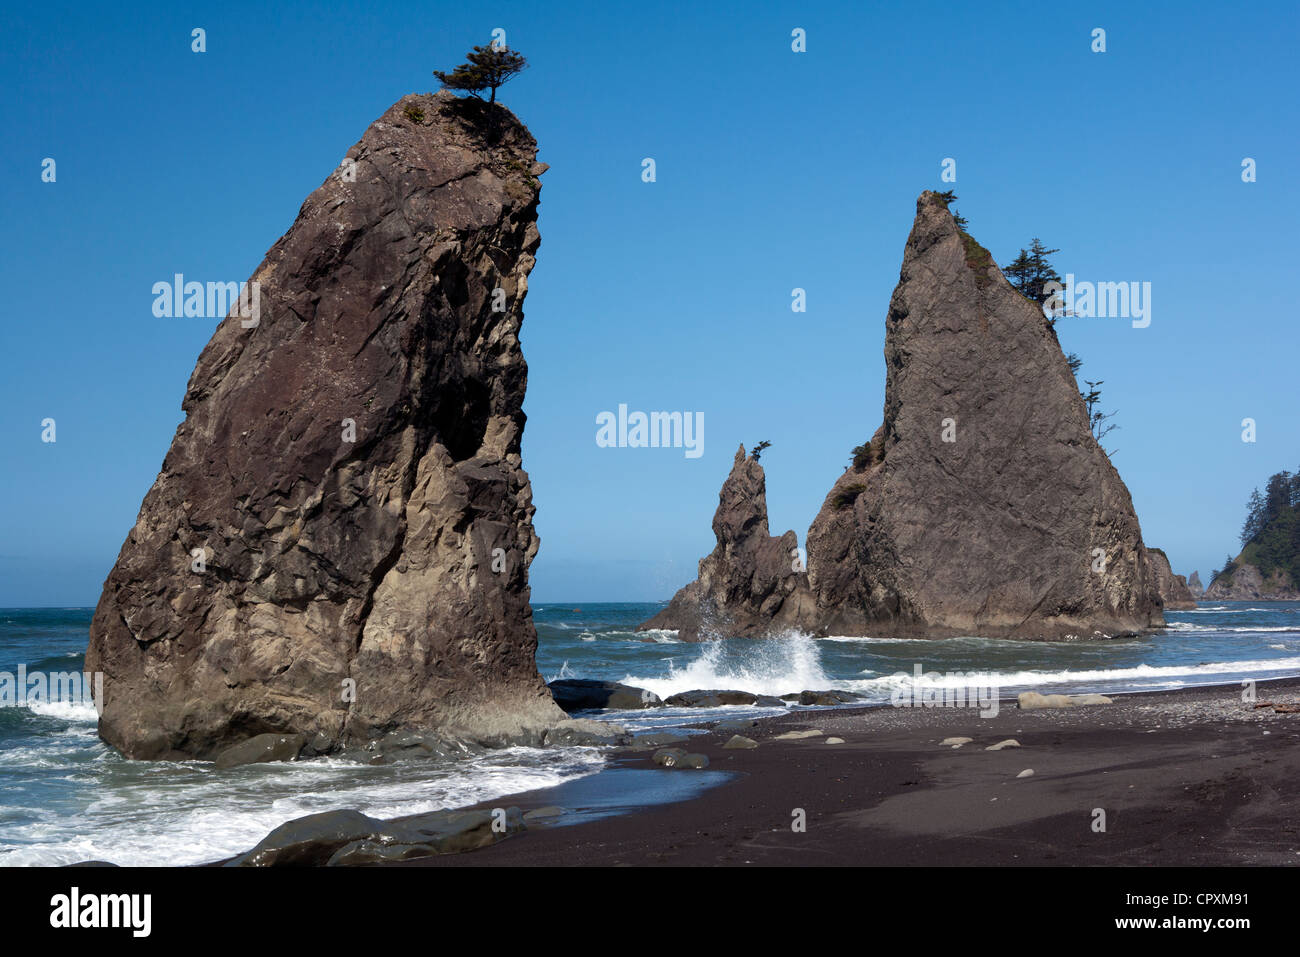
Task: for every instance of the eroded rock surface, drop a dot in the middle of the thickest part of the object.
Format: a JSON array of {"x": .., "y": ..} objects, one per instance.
[
  {"x": 982, "y": 505},
  {"x": 1245, "y": 582},
  {"x": 338, "y": 542},
  {"x": 1173, "y": 588}
]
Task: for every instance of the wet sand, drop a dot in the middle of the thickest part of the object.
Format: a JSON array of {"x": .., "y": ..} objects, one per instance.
[{"x": 1186, "y": 777}]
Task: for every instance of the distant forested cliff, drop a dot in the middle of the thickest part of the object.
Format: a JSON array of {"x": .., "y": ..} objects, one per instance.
[{"x": 1268, "y": 565}]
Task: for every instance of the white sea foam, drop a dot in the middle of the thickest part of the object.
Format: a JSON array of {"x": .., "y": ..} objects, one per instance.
[
  {"x": 1234, "y": 629},
  {"x": 664, "y": 636},
  {"x": 67, "y": 710},
  {"x": 771, "y": 666},
  {"x": 1121, "y": 676},
  {"x": 187, "y": 813},
  {"x": 975, "y": 641}
]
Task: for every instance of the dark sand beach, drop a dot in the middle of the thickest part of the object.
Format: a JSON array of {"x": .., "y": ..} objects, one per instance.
[{"x": 1185, "y": 777}]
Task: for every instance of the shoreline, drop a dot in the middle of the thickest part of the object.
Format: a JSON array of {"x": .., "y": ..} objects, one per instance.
[{"x": 1188, "y": 776}]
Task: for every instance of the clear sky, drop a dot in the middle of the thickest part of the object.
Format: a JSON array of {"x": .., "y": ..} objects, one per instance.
[{"x": 775, "y": 170}]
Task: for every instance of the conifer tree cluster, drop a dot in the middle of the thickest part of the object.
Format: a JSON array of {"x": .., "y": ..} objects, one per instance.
[
  {"x": 1031, "y": 271},
  {"x": 1270, "y": 536}
]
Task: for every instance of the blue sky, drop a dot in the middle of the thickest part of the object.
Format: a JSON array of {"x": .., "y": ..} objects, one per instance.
[{"x": 775, "y": 170}]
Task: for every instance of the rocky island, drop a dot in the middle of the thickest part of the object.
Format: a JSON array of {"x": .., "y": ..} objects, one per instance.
[
  {"x": 338, "y": 543},
  {"x": 982, "y": 505}
]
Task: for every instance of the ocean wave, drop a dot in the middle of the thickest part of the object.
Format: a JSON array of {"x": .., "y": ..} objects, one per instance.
[
  {"x": 772, "y": 666},
  {"x": 82, "y": 711},
  {"x": 1035, "y": 678},
  {"x": 973, "y": 640},
  {"x": 178, "y": 814},
  {"x": 1232, "y": 629},
  {"x": 663, "y": 636}
]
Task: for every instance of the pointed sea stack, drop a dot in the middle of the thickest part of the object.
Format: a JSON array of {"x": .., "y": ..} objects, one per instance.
[
  {"x": 983, "y": 505},
  {"x": 751, "y": 584},
  {"x": 338, "y": 543}
]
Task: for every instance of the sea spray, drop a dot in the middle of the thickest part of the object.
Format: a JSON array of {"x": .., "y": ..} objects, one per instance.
[{"x": 770, "y": 666}]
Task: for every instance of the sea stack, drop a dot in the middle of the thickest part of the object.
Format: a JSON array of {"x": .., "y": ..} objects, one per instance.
[
  {"x": 338, "y": 543},
  {"x": 1173, "y": 589},
  {"x": 983, "y": 504},
  {"x": 752, "y": 584}
]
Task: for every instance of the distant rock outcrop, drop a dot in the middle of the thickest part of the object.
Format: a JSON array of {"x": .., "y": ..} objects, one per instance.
[
  {"x": 1243, "y": 581},
  {"x": 751, "y": 584},
  {"x": 983, "y": 505},
  {"x": 1268, "y": 565},
  {"x": 1194, "y": 586},
  {"x": 338, "y": 543},
  {"x": 1173, "y": 588}
]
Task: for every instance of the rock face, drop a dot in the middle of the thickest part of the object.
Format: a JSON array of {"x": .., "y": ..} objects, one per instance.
[
  {"x": 1173, "y": 588},
  {"x": 1194, "y": 586},
  {"x": 583, "y": 694},
  {"x": 751, "y": 584},
  {"x": 338, "y": 542},
  {"x": 1244, "y": 582},
  {"x": 983, "y": 503}
]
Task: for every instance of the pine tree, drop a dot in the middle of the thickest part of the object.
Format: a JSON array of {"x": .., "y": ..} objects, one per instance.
[
  {"x": 1254, "y": 518},
  {"x": 1031, "y": 271},
  {"x": 488, "y": 68}
]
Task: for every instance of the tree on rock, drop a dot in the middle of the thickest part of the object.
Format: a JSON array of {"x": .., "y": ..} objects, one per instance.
[
  {"x": 488, "y": 68},
  {"x": 1031, "y": 271}
]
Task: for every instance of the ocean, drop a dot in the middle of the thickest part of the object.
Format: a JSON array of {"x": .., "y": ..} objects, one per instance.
[{"x": 65, "y": 797}]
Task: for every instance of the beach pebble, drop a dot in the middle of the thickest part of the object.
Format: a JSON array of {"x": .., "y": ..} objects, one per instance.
[
  {"x": 737, "y": 724},
  {"x": 677, "y": 758},
  {"x": 1026, "y": 773},
  {"x": 657, "y": 739},
  {"x": 668, "y": 757},
  {"x": 834, "y": 740},
  {"x": 740, "y": 741},
  {"x": 955, "y": 742},
  {"x": 1008, "y": 743},
  {"x": 544, "y": 815},
  {"x": 1031, "y": 700},
  {"x": 797, "y": 735}
]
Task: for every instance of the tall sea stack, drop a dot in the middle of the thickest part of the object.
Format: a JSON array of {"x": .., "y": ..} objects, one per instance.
[
  {"x": 752, "y": 584},
  {"x": 982, "y": 505},
  {"x": 338, "y": 542}
]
